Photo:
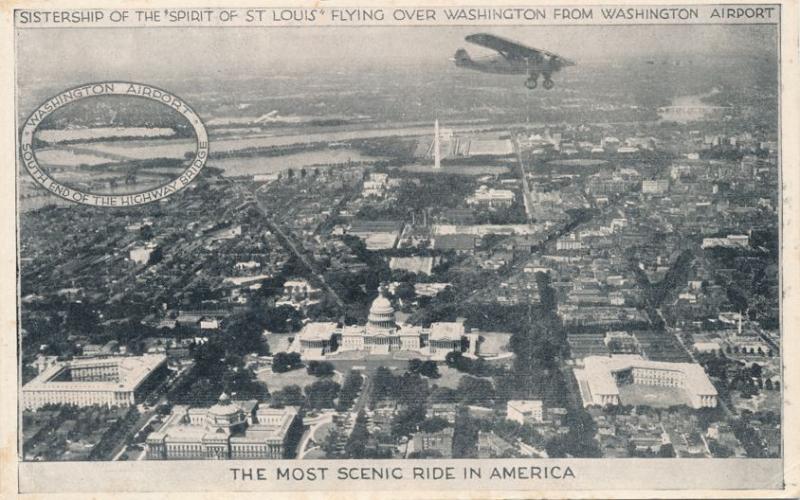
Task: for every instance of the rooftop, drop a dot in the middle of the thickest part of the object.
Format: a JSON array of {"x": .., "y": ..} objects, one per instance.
[
  {"x": 318, "y": 331},
  {"x": 132, "y": 370},
  {"x": 447, "y": 331},
  {"x": 525, "y": 405},
  {"x": 597, "y": 376},
  {"x": 454, "y": 242},
  {"x": 272, "y": 423}
]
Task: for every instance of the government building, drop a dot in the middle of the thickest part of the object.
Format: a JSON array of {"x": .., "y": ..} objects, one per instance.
[
  {"x": 632, "y": 380},
  {"x": 106, "y": 381},
  {"x": 383, "y": 335},
  {"x": 228, "y": 430}
]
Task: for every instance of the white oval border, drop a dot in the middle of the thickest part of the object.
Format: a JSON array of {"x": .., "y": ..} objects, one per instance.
[{"x": 122, "y": 88}]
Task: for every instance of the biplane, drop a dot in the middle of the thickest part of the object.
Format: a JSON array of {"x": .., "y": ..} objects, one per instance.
[{"x": 513, "y": 58}]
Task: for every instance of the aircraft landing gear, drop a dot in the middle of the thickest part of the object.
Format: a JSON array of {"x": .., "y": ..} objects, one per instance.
[
  {"x": 532, "y": 82},
  {"x": 548, "y": 84}
]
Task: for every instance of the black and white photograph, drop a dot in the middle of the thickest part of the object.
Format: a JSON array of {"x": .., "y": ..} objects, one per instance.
[{"x": 381, "y": 245}]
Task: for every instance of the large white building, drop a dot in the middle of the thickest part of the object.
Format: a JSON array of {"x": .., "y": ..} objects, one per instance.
[
  {"x": 141, "y": 254},
  {"x": 655, "y": 186},
  {"x": 382, "y": 335},
  {"x": 227, "y": 430},
  {"x": 731, "y": 241},
  {"x": 491, "y": 197},
  {"x": 525, "y": 410},
  {"x": 109, "y": 381},
  {"x": 601, "y": 377}
]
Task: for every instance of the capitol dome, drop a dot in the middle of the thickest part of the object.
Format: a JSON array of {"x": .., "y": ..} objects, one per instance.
[
  {"x": 381, "y": 313},
  {"x": 381, "y": 306}
]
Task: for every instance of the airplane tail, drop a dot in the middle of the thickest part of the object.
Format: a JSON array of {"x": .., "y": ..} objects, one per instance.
[{"x": 461, "y": 58}]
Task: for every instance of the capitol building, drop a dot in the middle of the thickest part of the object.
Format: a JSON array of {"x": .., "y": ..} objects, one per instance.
[{"x": 383, "y": 335}]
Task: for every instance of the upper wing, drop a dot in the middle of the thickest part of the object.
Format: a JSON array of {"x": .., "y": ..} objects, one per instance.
[{"x": 511, "y": 49}]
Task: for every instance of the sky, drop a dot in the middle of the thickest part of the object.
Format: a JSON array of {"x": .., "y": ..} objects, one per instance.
[{"x": 164, "y": 53}]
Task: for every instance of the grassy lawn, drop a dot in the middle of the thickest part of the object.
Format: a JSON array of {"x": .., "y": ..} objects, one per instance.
[
  {"x": 652, "y": 395},
  {"x": 494, "y": 342},
  {"x": 449, "y": 377},
  {"x": 764, "y": 400},
  {"x": 369, "y": 364},
  {"x": 277, "y": 381},
  {"x": 279, "y": 342},
  {"x": 321, "y": 432},
  {"x": 314, "y": 455},
  {"x": 471, "y": 170}
]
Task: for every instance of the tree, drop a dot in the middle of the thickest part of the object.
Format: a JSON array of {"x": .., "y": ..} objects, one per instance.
[
  {"x": 155, "y": 256},
  {"x": 241, "y": 382},
  {"x": 579, "y": 440},
  {"x": 434, "y": 424},
  {"x": 451, "y": 358},
  {"x": 322, "y": 393},
  {"x": 350, "y": 388},
  {"x": 425, "y": 368},
  {"x": 719, "y": 451},
  {"x": 410, "y": 389},
  {"x": 465, "y": 435},
  {"x": 476, "y": 390},
  {"x": 281, "y": 319},
  {"x": 768, "y": 384},
  {"x": 216, "y": 371},
  {"x": 748, "y": 390},
  {"x": 146, "y": 232},
  {"x": 408, "y": 420},
  {"x": 429, "y": 369},
  {"x": 244, "y": 334},
  {"x": 357, "y": 442},
  {"x": 200, "y": 292},
  {"x": 291, "y": 395},
  {"x": 331, "y": 443},
  {"x": 81, "y": 318},
  {"x": 405, "y": 292},
  {"x": 444, "y": 395},
  {"x": 425, "y": 454},
  {"x": 458, "y": 361},
  {"x": 320, "y": 368},
  {"x": 547, "y": 293},
  {"x": 283, "y": 362},
  {"x": 383, "y": 385},
  {"x": 666, "y": 451}
]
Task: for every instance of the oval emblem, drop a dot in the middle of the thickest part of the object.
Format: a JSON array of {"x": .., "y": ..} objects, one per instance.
[{"x": 128, "y": 89}]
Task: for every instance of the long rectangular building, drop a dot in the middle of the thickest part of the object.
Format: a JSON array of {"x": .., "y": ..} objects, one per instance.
[
  {"x": 108, "y": 381},
  {"x": 602, "y": 377}
]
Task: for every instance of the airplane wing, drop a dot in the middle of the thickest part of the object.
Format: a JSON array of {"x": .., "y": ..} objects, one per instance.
[{"x": 511, "y": 49}]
